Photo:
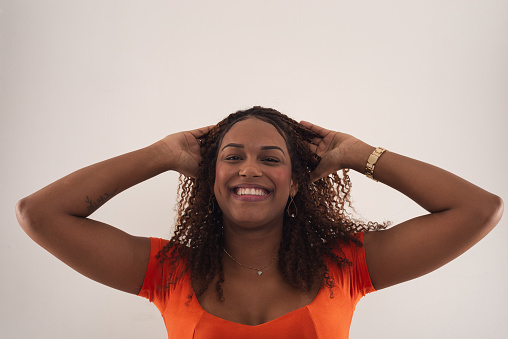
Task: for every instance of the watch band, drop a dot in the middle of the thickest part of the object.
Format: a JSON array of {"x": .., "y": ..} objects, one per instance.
[{"x": 371, "y": 162}]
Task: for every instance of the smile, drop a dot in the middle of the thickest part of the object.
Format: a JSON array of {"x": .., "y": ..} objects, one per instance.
[
  {"x": 253, "y": 193},
  {"x": 250, "y": 191}
]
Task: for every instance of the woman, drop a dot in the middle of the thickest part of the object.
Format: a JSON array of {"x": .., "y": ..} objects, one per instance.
[{"x": 263, "y": 245}]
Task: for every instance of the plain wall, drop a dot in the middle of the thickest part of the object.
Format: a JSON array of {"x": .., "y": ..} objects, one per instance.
[{"x": 83, "y": 81}]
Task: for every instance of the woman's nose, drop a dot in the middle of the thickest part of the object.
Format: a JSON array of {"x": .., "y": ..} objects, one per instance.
[{"x": 249, "y": 169}]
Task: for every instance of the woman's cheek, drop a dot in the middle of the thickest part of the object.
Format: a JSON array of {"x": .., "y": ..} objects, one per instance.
[
  {"x": 281, "y": 177},
  {"x": 222, "y": 175}
]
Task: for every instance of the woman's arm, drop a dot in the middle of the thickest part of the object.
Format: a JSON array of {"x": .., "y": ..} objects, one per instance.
[
  {"x": 460, "y": 213},
  {"x": 56, "y": 216}
]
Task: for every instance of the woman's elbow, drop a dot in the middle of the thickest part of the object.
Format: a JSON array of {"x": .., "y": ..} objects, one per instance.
[
  {"x": 499, "y": 208},
  {"x": 492, "y": 211},
  {"x": 28, "y": 215}
]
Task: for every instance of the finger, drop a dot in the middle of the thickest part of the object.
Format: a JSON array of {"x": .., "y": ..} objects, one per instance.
[
  {"x": 316, "y": 140},
  {"x": 315, "y": 128},
  {"x": 200, "y": 132},
  {"x": 314, "y": 144},
  {"x": 316, "y": 174},
  {"x": 322, "y": 170}
]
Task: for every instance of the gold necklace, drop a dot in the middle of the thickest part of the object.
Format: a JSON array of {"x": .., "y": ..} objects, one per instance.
[{"x": 259, "y": 270}]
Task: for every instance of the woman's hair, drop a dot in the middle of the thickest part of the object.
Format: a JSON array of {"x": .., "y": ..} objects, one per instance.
[{"x": 320, "y": 226}]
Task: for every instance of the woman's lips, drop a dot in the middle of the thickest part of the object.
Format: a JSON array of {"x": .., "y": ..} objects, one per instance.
[{"x": 249, "y": 194}]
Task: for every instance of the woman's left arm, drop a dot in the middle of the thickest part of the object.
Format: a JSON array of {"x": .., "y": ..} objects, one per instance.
[{"x": 461, "y": 214}]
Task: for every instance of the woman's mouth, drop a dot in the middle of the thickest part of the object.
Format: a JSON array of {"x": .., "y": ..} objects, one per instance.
[{"x": 250, "y": 193}]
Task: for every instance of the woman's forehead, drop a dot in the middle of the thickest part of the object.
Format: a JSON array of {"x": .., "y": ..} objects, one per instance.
[{"x": 254, "y": 131}]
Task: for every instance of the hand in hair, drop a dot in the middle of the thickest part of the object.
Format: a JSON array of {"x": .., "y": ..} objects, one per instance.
[
  {"x": 333, "y": 148},
  {"x": 185, "y": 150}
]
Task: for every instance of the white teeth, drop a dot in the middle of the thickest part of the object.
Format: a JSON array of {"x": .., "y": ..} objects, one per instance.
[{"x": 250, "y": 191}]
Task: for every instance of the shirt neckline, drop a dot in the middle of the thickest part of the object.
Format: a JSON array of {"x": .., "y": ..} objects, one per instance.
[{"x": 195, "y": 303}]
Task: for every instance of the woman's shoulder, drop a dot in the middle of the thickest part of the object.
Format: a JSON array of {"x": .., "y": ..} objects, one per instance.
[
  {"x": 166, "y": 265},
  {"x": 349, "y": 248},
  {"x": 158, "y": 243},
  {"x": 164, "y": 249}
]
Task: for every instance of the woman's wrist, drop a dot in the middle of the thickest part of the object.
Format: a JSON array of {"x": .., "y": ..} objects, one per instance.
[
  {"x": 357, "y": 155},
  {"x": 163, "y": 156}
]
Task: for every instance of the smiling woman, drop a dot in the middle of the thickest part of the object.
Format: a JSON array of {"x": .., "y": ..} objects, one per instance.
[
  {"x": 253, "y": 159},
  {"x": 263, "y": 245}
]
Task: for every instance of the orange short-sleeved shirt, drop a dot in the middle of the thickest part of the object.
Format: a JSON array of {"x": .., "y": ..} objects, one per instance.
[{"x": 323, "y": 318}]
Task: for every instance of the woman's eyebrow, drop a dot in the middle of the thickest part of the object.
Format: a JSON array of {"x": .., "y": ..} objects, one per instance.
[
  {"x": 262, "y": 147},
  {"x": 273, "y": 147}
]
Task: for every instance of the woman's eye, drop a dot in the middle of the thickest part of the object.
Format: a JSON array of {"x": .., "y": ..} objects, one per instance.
[
  {"x": 232, "y": 157},
  {"x": 271, "y": 160}
]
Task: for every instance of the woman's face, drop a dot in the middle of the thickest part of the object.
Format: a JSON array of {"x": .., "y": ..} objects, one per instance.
[{"x": 253, "y": 175}]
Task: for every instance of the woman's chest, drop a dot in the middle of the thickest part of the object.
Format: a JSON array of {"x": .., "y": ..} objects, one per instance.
[{"x": 254, "y": 301}]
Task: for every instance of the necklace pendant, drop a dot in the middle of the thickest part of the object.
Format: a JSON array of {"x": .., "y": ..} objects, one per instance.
[{"x": 260, "y": 272}]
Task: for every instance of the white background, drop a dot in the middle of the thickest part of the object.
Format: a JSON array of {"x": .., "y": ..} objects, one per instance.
[{"x": 82, "y": 81}]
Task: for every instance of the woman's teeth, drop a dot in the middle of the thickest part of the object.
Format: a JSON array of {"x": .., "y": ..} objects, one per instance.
[{"x": 250, "y": 191}]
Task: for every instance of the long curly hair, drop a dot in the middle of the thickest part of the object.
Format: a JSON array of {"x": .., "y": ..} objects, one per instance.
[{"x": 321, "y": 224}]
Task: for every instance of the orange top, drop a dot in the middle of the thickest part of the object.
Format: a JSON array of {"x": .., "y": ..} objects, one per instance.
[{"x": 323, "y": 318}]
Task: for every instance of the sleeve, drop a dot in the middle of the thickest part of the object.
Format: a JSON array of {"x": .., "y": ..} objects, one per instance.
[
  {"x": 154, "y": 276},
  {"x": 361, "y": 269},
  {"x": 353, "y": 279}
]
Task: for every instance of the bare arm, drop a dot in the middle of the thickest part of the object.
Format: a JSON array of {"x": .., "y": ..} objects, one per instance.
[
  {"x": 56, "y": 217},
  {"x": 460, "y": 213}
]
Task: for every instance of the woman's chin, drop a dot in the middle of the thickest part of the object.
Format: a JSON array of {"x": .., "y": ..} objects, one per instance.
[{"x": 252, "y": 220}]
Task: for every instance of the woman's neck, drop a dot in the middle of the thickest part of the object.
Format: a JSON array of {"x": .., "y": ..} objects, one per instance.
[{"x": 253, "y": 247}]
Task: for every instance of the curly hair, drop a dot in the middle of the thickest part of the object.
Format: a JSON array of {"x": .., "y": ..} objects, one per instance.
[{"x": 321, "y": 224}]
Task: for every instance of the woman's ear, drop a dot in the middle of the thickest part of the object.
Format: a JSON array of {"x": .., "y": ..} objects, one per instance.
[{"x": 293, "y": 189}]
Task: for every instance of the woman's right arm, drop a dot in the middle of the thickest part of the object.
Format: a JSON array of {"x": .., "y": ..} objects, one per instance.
[{"x": 56, "y": 217}]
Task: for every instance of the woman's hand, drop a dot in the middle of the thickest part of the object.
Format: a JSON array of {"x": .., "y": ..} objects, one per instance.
[
  {"x": 185, "y": 150},
  {"x": 336, "y": 150}
]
